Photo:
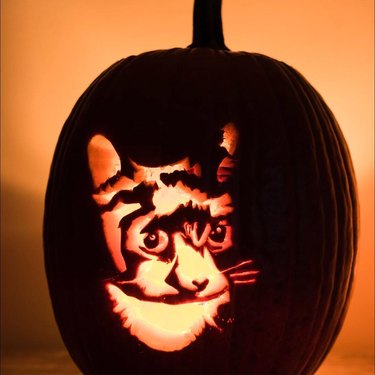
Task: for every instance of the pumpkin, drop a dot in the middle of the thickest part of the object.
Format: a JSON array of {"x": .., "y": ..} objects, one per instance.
[{"x": 200, "y": 216}]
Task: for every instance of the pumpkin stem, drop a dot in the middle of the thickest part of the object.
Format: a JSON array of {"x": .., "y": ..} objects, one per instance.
[{"x": 207, "y": 25}]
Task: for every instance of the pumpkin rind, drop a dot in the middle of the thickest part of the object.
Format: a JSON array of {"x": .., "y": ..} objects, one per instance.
[{"x": 296, "y": 199}]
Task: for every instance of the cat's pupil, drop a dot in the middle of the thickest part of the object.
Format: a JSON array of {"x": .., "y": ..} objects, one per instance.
[
  {"x": 151, "y": 241},
  {"x": 218, "y": 233}
]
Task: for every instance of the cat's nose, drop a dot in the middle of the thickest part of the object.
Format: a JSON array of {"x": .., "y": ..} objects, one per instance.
[{"x": 200, "y": 283}]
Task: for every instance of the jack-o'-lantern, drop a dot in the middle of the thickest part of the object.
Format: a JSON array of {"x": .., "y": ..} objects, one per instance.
[{"x": 200, "y": 216}]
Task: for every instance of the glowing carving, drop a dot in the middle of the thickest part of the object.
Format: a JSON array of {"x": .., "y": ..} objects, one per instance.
[
  {"x": 163, "y": 233},
  {"x": 162, "y": 326}
]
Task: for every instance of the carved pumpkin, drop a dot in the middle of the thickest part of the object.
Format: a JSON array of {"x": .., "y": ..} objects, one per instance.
[{"x": 200, "y": 216}]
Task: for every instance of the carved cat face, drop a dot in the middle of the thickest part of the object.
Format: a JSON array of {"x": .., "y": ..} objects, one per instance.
[{"x": 163, "y": 233}]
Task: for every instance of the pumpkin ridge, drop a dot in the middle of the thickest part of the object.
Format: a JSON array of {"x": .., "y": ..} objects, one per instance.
[
  {"x": 321, "y": 158},
  {"x": 334, "y": 146},
  {"x": 320, "y": 149},
  {"x": 346, "y": 199},
  {"x": 292, "y": 183},
  {"x": 310, "y": 123},
  {"x": 256, "y": 60}
]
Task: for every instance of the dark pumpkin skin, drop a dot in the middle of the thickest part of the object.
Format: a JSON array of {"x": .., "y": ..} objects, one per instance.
[{"x": 297, "y": 215}]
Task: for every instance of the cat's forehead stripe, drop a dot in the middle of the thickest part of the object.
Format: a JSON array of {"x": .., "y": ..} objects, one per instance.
[{"x": 141, "y": 194}]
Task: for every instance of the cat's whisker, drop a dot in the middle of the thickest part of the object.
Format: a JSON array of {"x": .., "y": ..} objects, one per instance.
[
  {"x": 244, "y": 282},
  {"x": 244, "y": 263},
  {"x": 245, "y": 273},
  {"x": 240, "y": 275}
]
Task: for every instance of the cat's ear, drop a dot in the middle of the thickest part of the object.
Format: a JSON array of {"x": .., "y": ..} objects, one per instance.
[
  {"x": 230, "y": 143},
  {"x": 104, "y": 162},
  {"x": 230, "y": 138}
]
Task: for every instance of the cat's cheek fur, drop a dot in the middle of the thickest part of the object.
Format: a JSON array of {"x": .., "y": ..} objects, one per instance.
[{"x": 162, "y": 326}]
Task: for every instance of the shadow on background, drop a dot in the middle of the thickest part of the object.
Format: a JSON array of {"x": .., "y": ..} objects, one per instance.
[{"x": 26, "y": 313}]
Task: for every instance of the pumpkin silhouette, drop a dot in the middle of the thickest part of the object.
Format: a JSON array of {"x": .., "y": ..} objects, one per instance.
[{"x": 200, "y": 216}]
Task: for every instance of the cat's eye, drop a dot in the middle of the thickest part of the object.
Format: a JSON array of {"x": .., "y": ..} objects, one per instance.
[
  {"x": 218, "y": 233},
  {"x": 155, "y": 242},
  {"x": 220, "y": 237}
]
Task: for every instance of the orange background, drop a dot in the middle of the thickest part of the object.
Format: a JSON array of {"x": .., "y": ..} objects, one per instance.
[{"x": 53, "y": 49}]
